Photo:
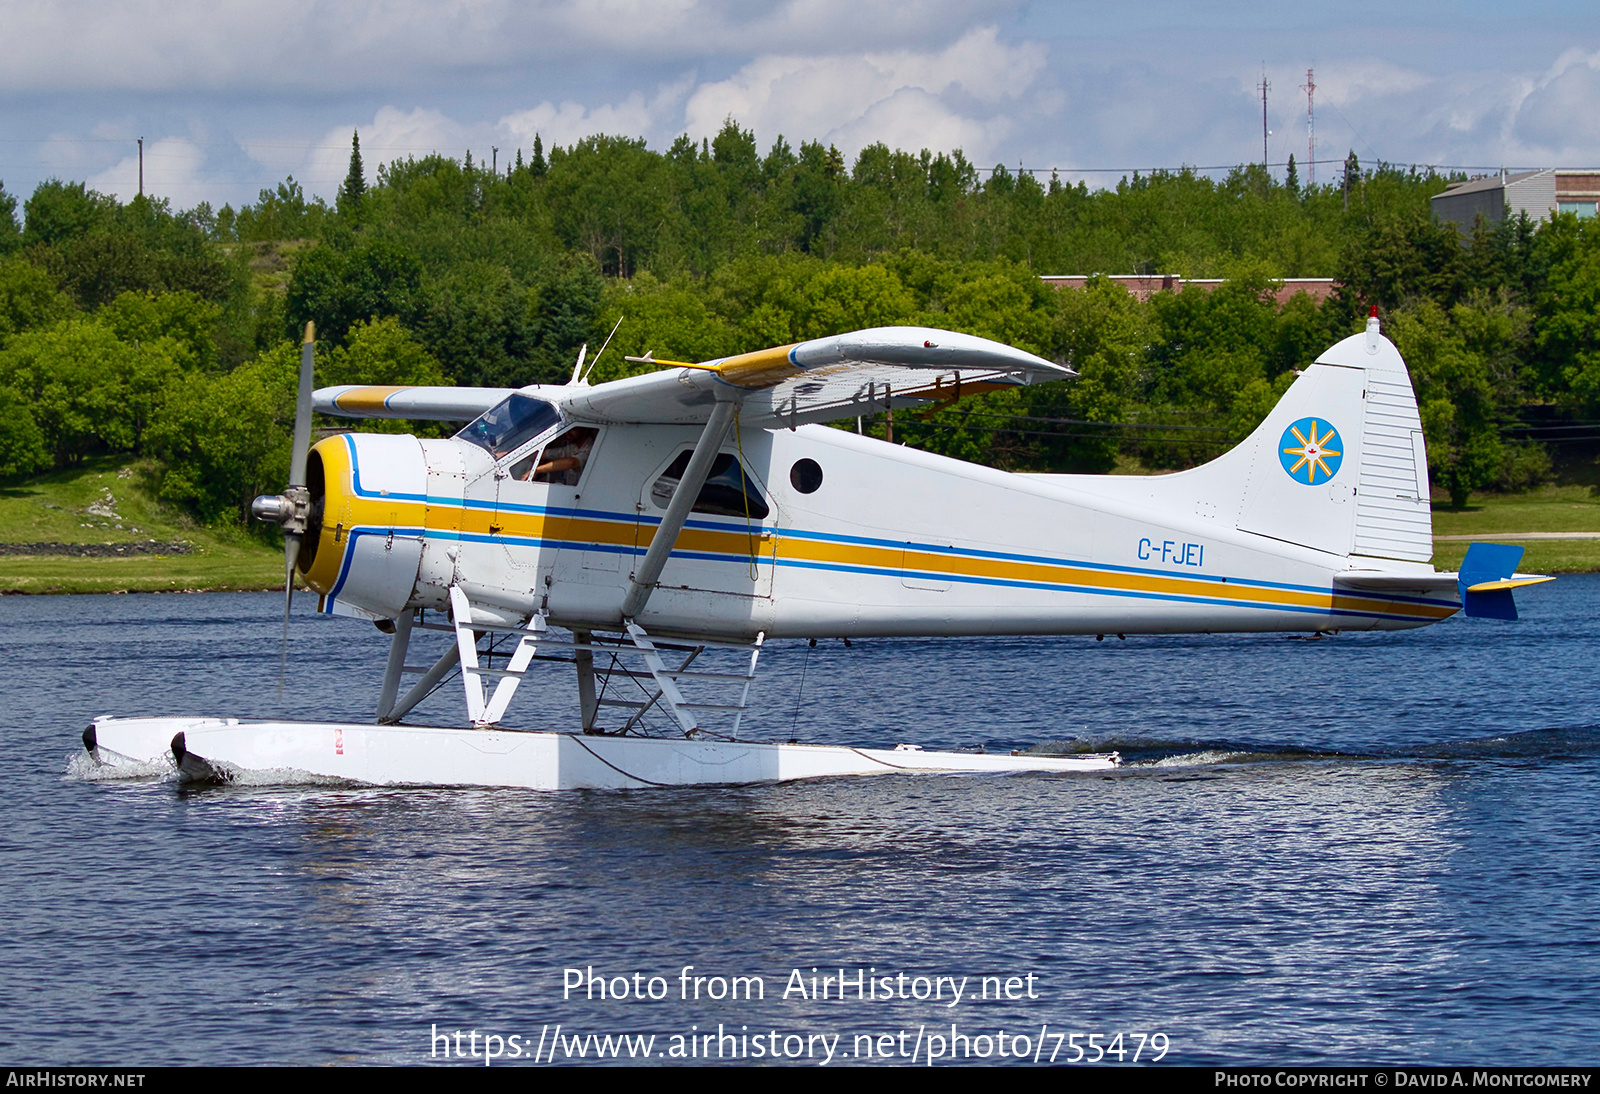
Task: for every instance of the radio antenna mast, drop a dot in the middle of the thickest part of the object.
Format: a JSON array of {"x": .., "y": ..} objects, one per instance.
[
  {"x": 1310, "y": 88},
  {"x": 1264, "y": 86}
]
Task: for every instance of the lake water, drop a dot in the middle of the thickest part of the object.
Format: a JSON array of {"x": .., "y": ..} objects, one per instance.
[{"x": 1364, "y": 849}]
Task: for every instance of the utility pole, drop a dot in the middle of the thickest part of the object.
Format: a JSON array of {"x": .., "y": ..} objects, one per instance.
[
  {"x": 141, "y": 167},
  {"x": 494, "y": 159},
  {"x": 1310, "y": 88},
  {"x": 1264, "y": 117}
]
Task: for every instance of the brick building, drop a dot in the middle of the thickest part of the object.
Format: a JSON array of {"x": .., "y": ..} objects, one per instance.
[{"x": 1143, "y": 286}]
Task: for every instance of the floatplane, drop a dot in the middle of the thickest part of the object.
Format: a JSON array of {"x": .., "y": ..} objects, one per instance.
[{"x": 654, "y": 532}]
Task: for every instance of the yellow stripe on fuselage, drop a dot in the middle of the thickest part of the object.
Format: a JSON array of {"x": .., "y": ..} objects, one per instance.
[{"x": 516, "y": 529}]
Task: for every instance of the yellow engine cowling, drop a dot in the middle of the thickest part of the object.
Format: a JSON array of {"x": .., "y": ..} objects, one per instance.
[{"x": 364, "y": 538}]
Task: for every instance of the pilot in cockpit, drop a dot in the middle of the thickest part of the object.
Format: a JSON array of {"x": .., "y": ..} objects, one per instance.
[{"x": 563, "y": 459}]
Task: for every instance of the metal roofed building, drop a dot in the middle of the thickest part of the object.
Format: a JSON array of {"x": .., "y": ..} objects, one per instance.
[{"x": 1537, "y": 193}]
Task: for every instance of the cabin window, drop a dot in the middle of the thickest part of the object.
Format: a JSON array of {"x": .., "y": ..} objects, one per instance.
[
  {"x": 805, "y": 476},
  {"x": 506, "y": 426},
  {"x": 562, "y": 461},
  {"x": 729, "y": 490}
]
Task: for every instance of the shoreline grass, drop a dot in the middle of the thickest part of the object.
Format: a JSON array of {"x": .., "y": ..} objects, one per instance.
[
  {"x": 1545, "y": 509},
  {"x": 105, "y": 501}
]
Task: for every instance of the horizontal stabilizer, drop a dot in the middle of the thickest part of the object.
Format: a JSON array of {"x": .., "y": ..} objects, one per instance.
[{"x": 1488, "y": 574}]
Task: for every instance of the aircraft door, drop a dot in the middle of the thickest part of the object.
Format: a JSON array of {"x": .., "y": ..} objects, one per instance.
[
  {"x": 727, "y": 545},
  {"x": 578, "y": 538}
]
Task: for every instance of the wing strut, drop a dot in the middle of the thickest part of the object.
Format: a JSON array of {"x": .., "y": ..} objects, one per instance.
[{"x": 683, "y": 499}]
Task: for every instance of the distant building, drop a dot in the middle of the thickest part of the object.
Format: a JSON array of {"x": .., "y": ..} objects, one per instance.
[
  {"x": 1537, "y": 193},
  {"x": 1144, "y": 286}
]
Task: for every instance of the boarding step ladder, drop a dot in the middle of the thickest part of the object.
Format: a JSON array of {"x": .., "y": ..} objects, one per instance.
[{"x": 710, "y": 697}]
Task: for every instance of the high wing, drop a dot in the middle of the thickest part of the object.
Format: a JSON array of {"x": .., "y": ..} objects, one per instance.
[
  {"x": 437, "y": 404},
  {"x": 841, "y": 376}
]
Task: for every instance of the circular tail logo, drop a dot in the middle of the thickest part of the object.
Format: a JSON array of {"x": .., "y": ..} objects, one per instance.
[{"x": 1311, "y": 451}]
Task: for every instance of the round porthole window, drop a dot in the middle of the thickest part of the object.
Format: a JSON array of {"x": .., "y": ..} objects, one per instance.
[{"x": 805, "y": 476}]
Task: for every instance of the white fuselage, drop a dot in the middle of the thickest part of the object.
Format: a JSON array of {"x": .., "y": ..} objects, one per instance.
[{"x": 893, "y": 541}]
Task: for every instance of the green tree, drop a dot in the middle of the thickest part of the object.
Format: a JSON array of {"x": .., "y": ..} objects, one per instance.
[
  {"x": 1462, "y": 363},
  {"x": 354, "y": 187},
  {"x": 474, "y": 319},
  {"x": 335, "y": 286},
  {"x": 187, "y": 321},
  {"x": 1102, "y": 332},
  {"x": 1568, "y": 313},
  {"x": 563, "y": 308},
  {"x": 838, "y": 299},
  {"x": 88, "y": 390},
  {"x": 380, "y": 352},
  {"x": 10, "y": 230},
  {"x": 29, "y": 299},
  {"x": 224, "y": 439},
  {"x": 23, "y": 447},
  {"x": 671, "y": 320},
  {"x": 279, "y": 214},
  {"x": 610, "y": 197},
  {"x": 62, "y": 211},
  {"x": 1404, "y": 256}
]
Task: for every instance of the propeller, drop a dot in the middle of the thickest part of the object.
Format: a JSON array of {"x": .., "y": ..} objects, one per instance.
[{"x": 292, "y": 508}]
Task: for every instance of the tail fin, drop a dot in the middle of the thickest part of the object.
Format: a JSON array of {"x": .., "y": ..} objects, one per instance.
[{"x": 1338, "y": 465}]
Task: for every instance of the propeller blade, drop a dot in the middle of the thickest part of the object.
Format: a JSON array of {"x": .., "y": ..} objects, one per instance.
[
  {"x": 302, "y": 409},
  {"x": 291, "y": 555},
  {"x": 296, "y": 493}
]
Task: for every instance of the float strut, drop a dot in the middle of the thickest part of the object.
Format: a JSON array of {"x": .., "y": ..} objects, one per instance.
[
  {"x": 398, "y": 645},
  {"x": 420, "y": 690}
]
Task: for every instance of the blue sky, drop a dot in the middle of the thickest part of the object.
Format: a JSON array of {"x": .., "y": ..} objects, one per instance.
[{"x": 232, "y": 97}]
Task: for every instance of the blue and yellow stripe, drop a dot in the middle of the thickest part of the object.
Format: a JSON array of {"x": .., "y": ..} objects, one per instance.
[{"x": 362, "y": 511}]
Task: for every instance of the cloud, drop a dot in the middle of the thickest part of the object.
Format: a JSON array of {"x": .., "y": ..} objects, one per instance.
[
  {"x": 571, "y": 121},
  {"x": 1055, "y": 85},
  {"x": 1560, "y": 115},
  {"x": 301, "y": 45},
  {"x": 921, "y": 98},
  {"x": 396, "y": 134},
  {"x": 393, "y": 134},
  {"x": 1350, "y": 81},
  {"x": 940, "y": 99}
]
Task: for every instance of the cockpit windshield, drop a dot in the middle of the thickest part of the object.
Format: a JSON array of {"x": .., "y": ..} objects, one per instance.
[{"x": 503, "y": 428}]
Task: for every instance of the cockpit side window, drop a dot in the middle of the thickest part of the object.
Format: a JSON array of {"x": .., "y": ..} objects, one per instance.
[
  {"x": 562, "y": 461},
  {"x": 504, "y": 427},
  {"x": 729, "y": 490}
]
